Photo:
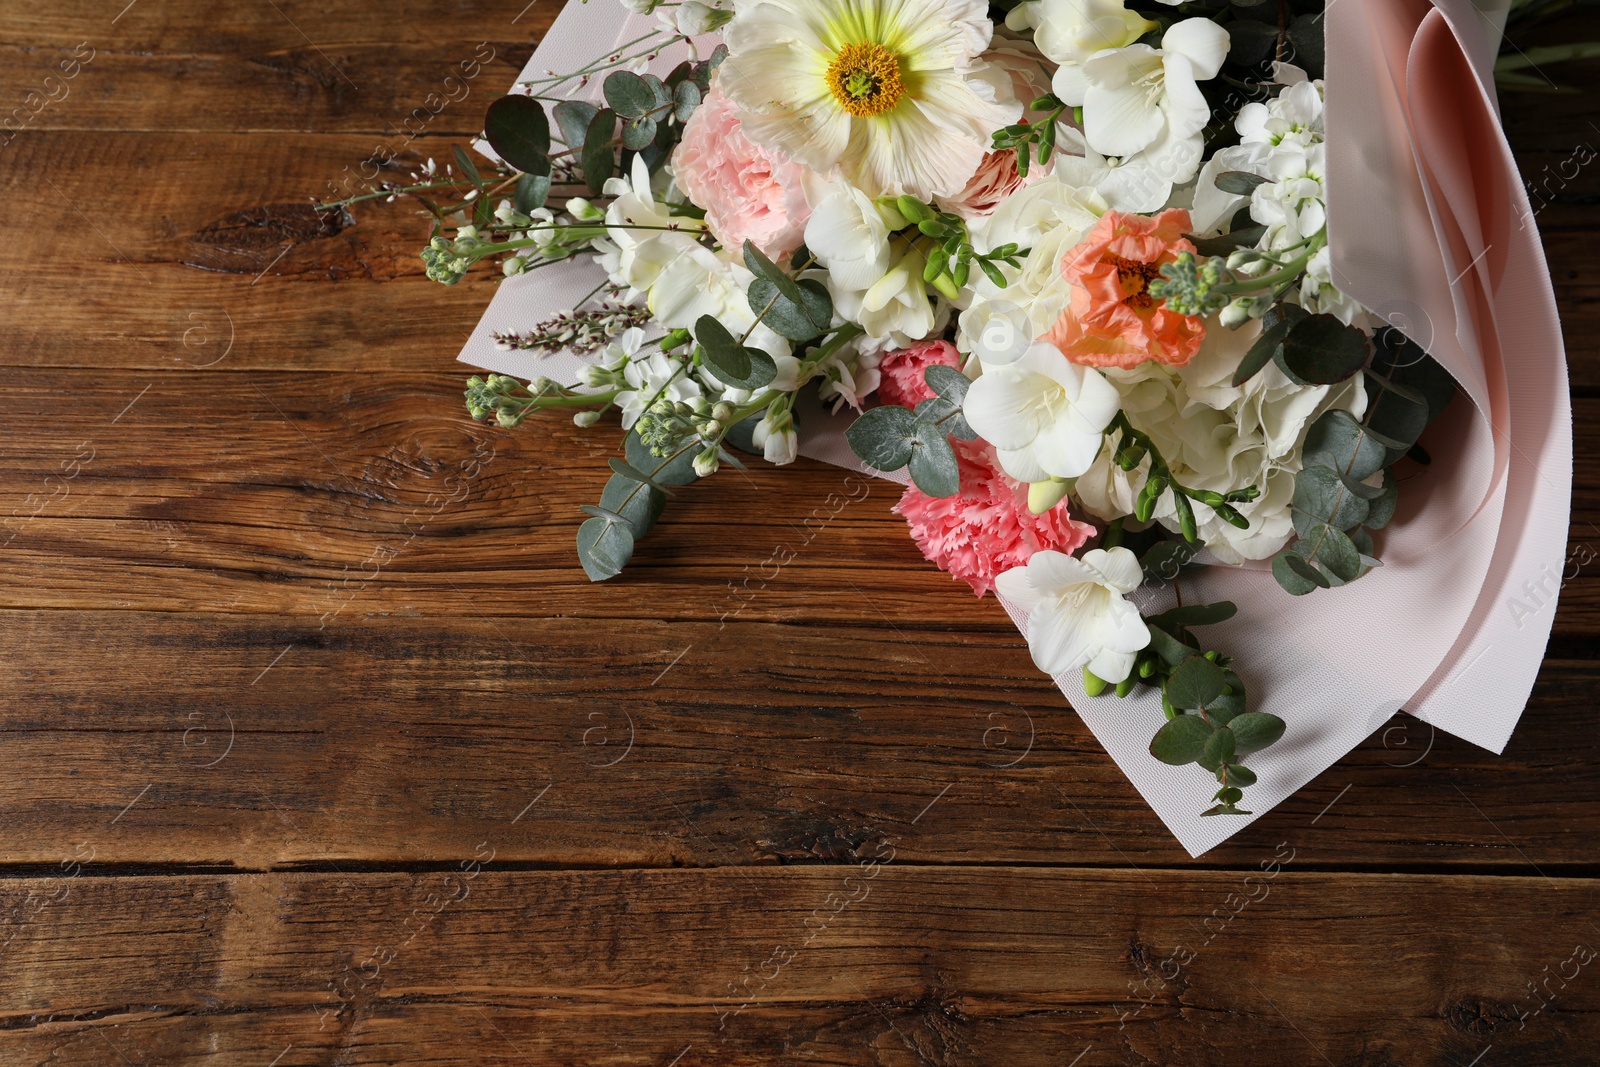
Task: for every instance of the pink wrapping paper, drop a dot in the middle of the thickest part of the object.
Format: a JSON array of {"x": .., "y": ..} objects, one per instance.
[{"x": 1430, "y": 228}]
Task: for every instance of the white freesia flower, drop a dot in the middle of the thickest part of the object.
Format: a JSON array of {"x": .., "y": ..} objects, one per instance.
[
  {"x": 1070, "y": 31},
  {"x": 881, "y": 90},
  {"x": 1077, "y": 614},
  {"x": 1045, "y": 416},
  {"x": 700, "y": 282},
  {"x": 875, "y": 280},
  {"x": 1141, "y": 182},
  {"x": 847, "y": 235},
  {"x": 636, "y": 257},
  {"x": 1219, "y": 437},
  {"x": 1138, "y": 97}
]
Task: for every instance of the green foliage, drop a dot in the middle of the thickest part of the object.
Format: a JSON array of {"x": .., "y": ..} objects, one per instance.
[
  {"x": 888, "y": 438},
  {"x": 519, "y": 132},
  {"x": 733, "y": 362},
  {"x": 1345, "y": 489},
  {"x": 1207, "y": 718},
  {"x": 1034, "y": 138},
  {"x": 797, "y": 310}
]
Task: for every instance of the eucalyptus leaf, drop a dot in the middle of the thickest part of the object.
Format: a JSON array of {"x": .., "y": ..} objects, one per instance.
[
  {"x": 531, "y": 193},
  {"x": 1320, "y": 496},
  {"x": 1381, "y": 509},
  {"x": 1338, "y": 441},
  {"x": 1266, "y": 348},
  {"x": 1240, "y": 182},
  {"x": 519, "y": 132},
  {"x": 604, "y": 547},
  {"x": 1296, "y": 575},
  {"x": 1181, "y": 740},
  {"x": 638, "y": 134},
  {"x": 573, "y": 118},
  {"x": 1322, "y": 350},
  {"x": 686, "y": 99},
  {"x": 1219, "y": 748},
  {"x": 1333, "y": 549},
  {"x": 1239, "y": 776},
  {"x": 640, "y": 505},
  {"x": 933, "y": 463},
  {"x": 468, "y": 167},
  {"x": 1195, "y": 684},
  {"x": 670, "y": 471},
  {"x": 796, "y": 322},
  {"x": 762, "y": 267},
  {"x": 599, "y": 159},
  {"x": 884, "y": 437},
  {"x": 1254, "y": 731},
  {"x": 628, "y": 94}
]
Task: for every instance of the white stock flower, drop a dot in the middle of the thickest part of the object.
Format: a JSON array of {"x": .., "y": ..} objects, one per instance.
[
  {"x": 1141, "y": 182},
  {"x": 881, "y": 90},
  {"x": 778, "y": 445},
  {"x": 1077, "y": 612},
  {"x": 1045, "y": 416},
  {"x": 1290, "y": 121},
  {"x": 1219, "y": 437},
  {"x": 650, "y": 379}
]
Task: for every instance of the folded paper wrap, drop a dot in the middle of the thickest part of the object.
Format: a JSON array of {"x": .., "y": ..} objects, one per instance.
[{"x": 1431, "y": 229}]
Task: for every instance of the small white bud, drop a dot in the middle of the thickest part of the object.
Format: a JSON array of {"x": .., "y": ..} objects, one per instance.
[
  {"x": 1237, "y": 313},
  {"x": 582, "y": 210},
  {"x": 585, "y": 419},
  {"x": 706, "y": 463},
  {"x": 695, "y": 18}
]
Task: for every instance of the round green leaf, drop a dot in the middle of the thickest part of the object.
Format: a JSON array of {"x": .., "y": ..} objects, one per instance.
[
  {"x": 519, "y": 132},
  {"x": 1322, "y": 350},
  {"x": 1195, "y": 684},
  {"x": 1254, "y": 731},
  {"x": 883, "y": 437},
  {"x": 641, "y": 505},
  {"x": 604, "y": 548},
  {"x": 1181, "y": 740},
  {"x": 628, "y": 94},
  {"x": 933, "y": 462},
  {"x": 1219, "y": 748},
  {"x": 1296, "y": 575}
]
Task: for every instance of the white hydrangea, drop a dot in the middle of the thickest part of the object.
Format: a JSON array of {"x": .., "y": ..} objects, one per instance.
[{"x": 1218, "y": 437}]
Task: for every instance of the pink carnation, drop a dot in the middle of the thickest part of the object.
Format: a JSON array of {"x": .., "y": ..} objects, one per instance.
[
  {"x": 747, "y": 192},
  {"x": 903, "y": 383},
  {"x": 986, "y": 529}
]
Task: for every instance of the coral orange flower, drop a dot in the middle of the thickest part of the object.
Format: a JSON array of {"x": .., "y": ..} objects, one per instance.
[{"x": 1113, "y": 320}]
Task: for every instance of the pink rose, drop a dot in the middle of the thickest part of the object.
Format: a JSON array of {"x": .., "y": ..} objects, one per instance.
[
  {"x": 902, "y": 382},
  {"x": 748, "y": 193},
  {"x": 986, "y": 529},
  {"x": 1016, "y": 70}
]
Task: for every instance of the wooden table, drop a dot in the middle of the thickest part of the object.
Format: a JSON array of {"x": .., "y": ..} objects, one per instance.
[{"x": 320, "y": 749}]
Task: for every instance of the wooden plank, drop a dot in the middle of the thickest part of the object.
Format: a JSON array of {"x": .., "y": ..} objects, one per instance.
[
  {"x": 270, "y": 742},
  {"x": 273, "y": 493},
  {"x": 280, "y": 83},
  {"x": 874, "y": 963}
]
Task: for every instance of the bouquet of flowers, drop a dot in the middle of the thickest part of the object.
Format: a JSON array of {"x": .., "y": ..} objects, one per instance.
[{"x": 1063, "y": 267}]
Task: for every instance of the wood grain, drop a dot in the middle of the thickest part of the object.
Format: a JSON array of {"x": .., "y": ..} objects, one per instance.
[{"x": 867, "y": 963}]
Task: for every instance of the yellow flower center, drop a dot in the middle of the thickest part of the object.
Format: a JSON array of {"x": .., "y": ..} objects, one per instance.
[{"x": 865, "y": 79}]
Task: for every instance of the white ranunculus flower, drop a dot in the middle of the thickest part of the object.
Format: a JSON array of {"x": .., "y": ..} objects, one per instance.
[
  {"x": 1136, "y": 96},
  {"x": 883, "y": 91},
  {"x": 1048, "y": 217},
  {"x": 1045, "y": 416},
  {"x": 1077, "y": 612},
  {"x": 1218, "y": 437}
]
